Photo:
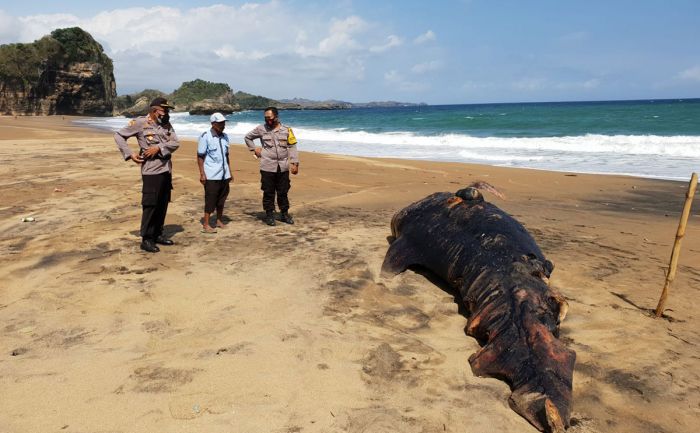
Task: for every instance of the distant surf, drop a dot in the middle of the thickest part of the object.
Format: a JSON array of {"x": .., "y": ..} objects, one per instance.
[{"x": 657, "y": 139}]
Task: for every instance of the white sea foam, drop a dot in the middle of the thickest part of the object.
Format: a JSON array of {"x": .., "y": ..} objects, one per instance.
[{"x": 673, "y": 157}]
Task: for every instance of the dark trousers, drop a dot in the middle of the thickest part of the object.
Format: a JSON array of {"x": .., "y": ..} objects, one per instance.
[
  {"x": 272, "y": 183},
  {"x": 215, "y": 193},
  {"x": 155, "y": 197}
]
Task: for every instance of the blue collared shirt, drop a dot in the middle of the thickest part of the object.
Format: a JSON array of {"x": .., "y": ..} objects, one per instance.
[{"x": 214, "y": 149}]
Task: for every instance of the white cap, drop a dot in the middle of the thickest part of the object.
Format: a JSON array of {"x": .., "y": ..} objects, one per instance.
[{"x": 217, "y": 117}]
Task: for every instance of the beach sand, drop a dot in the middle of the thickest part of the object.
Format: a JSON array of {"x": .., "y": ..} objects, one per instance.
[{"x": 291, "y": 328}]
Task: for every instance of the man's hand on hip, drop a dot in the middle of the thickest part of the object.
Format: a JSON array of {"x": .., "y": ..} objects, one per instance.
[
  {"x": 151, "y": 151},
  {"x": 136, "y": 158}
]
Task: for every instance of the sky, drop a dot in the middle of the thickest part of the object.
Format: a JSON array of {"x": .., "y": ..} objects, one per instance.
[{"x": 440, "y": 52}]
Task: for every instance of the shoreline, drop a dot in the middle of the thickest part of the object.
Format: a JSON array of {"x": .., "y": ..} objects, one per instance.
[
  {"x": 445, "y": 158},
  {"x": 292, "y": 328},
  {"x": 106, "y": 131}
]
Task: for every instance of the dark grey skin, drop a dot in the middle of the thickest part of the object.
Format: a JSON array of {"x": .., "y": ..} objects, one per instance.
[{"x": 501, "y": 276}]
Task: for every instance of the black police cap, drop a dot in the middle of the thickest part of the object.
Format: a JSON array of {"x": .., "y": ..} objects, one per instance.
[{"x": 160, "y": 102}]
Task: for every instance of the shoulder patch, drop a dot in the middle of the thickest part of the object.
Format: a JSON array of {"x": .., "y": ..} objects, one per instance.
[
  {"x": 291, "y": 139},
  {"x": 132, "y": 122}
]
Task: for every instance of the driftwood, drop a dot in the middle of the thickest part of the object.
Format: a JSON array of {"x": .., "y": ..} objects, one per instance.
[{"x": 671, "y": 274}]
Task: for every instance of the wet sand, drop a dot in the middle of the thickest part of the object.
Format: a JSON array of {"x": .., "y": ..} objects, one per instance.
[{"x": 291, "y": 328}]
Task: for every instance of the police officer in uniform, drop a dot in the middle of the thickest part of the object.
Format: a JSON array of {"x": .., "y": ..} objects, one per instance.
[
  {"x": 157, "y": 141},
  {"x": 278, "y": 157}
]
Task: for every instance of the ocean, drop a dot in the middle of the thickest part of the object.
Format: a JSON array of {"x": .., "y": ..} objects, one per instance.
[{"x": 649, "y": 138}]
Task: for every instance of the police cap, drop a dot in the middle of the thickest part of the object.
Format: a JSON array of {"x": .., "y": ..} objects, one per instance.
[{"x": 160, "y": 102}]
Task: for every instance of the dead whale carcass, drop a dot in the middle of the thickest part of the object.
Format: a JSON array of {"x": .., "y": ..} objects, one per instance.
[{"x": 501, "y": 275}]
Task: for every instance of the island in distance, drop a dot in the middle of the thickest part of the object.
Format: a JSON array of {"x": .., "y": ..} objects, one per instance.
[{"x": 205, "y": 97}]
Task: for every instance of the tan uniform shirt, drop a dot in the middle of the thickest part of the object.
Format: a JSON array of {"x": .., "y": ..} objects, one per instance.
[
  {"x": 275, "y": 149},
  {"x": 149, "y": 133}
]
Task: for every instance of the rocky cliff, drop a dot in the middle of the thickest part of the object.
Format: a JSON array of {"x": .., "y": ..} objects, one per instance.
[{"x": 66, "y": 72}]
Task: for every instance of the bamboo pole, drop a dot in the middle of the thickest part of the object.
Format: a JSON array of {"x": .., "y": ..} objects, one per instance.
[{"x": 671, "y": 275}]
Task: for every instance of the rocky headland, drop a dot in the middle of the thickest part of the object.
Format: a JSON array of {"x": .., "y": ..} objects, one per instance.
[{"x": 66, "y": 72}]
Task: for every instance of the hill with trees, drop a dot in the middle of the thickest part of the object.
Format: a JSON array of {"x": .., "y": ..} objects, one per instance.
[{"x": 65, "y": 72}]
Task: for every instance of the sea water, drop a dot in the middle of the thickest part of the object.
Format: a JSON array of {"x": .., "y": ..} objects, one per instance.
[{"x": 650, "y": 138}]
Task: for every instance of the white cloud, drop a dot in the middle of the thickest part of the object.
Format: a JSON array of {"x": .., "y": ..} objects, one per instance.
[
  {"x": 399, "y": 82},
  {"x": 425, "y": 37},
  {"x": 422, "y": 68},
  {"x": 229, "y": 52},
  {"x": 391, "y": 42},
  {"x": 160, "y": 47},
  {"x": 691, "y": 74},
  {"x": 341, "y": 35},
  {"x": 10, "y": 28}
]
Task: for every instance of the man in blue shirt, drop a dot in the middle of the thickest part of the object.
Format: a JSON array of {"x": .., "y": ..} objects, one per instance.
[{"x": 214, "y": 170}]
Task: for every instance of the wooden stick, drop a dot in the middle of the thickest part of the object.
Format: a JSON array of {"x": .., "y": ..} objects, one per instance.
[{"x": 677, "y": 245}]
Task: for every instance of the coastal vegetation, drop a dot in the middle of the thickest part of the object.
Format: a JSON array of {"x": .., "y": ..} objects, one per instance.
[{"x": 197, "y": 90}]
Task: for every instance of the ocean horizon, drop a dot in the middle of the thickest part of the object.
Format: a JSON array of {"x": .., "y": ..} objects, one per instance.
[{"x": 646, "y": 138}]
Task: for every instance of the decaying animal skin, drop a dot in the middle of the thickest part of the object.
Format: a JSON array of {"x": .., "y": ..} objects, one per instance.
[{"x": 501, "y": 275}]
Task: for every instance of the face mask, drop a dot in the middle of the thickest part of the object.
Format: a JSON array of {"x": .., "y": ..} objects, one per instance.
[{"x": 164, "y": 119}]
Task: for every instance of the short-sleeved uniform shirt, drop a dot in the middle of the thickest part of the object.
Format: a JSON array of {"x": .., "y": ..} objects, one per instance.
[
  {"x": 214, "y": 149},
  {"x": 276, "y": 151}
]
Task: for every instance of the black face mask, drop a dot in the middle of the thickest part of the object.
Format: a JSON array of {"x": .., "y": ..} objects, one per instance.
[{"x": 164, "y": 119}]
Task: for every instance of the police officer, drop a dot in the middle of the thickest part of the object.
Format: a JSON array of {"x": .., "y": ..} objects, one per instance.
[
  {"x": 157, "y": 141},
  {"x": 278, "y": 156}
]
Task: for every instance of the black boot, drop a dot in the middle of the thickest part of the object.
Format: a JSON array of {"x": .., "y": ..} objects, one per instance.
[
  {"x": 149, "y": 245},
  {"x": 286, "y": 218},
  {"x": 164, "y": 241},
  {"x": 269, "y": 218}
]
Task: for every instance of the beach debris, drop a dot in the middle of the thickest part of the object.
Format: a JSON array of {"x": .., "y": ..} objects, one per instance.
[
  {"x": 485, "y": 186},
  {"x": 58, "y": 190},
  {"x": 671, "y": 275},
  {"x": 28, "y": 219},
  {"x": 502, "y": 279},
  {"x": 19, "y": 351}
]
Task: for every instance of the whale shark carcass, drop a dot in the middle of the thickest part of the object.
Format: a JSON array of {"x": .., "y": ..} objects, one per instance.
[{"x": 502, "y": 278}]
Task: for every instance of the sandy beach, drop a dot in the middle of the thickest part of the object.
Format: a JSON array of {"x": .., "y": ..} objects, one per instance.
[{"x": 97, "y": 336}]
